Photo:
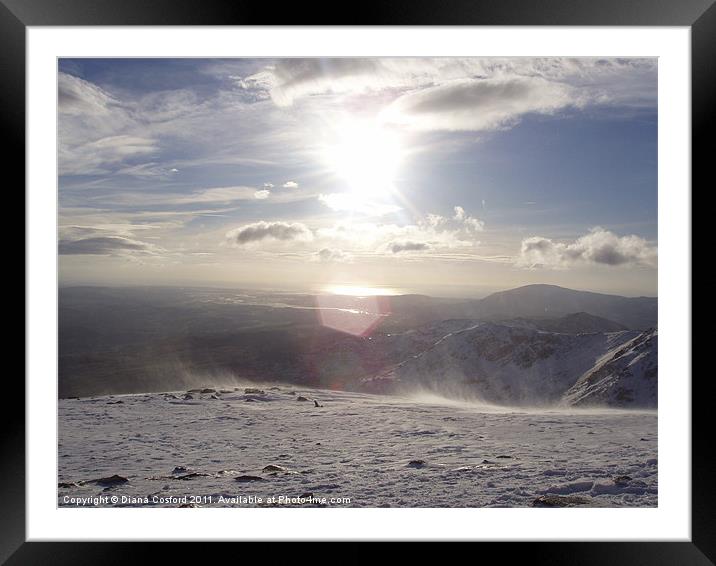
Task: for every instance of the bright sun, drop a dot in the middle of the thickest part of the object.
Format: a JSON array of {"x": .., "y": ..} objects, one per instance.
[{"x": 366, "y": 156}]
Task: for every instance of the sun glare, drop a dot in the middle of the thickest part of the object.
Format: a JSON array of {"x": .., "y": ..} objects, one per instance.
[
  {"x": 366, "y": 156},
  {"x": 360, "y": 291}
]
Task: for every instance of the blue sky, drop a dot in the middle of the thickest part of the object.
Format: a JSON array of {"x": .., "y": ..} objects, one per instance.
[{"x": 446, "y": 176}]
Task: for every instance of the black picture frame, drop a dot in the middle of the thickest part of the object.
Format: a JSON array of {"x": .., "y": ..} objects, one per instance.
[{"x": 699, "y": 15}]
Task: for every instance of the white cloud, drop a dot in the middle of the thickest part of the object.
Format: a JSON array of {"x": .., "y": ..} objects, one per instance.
[
  {"x": 627, "y": 82},
  {"x": 262, "y": 194},
  {"x": 76, "y": 96},
  {"x": 479, "y": 104},
  {"x": 290, "y": 185},
  {"x": 117, "y": 148},
  {"x": 258, "y": 231},
  {"x": 460, "y": 223},
  {"x": 598, "y": 247},
  {"x": 93, "y": 129},
  {"x": 408, "y": 246},
  {"x": 216, "y": 125},
  {"x": 289, "y": 79},
  {"x": 431, "y": 233},
  {"x": 148, "y": 170},
  {"x": 332, "y": 255}
]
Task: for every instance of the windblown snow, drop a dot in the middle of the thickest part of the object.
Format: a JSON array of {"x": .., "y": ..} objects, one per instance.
[
  {"x": 240, "y": 447},
  {"x": 517, "y": 364}
]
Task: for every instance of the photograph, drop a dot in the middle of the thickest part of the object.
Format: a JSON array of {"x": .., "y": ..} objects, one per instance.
[{"x": 357, "y": 282}]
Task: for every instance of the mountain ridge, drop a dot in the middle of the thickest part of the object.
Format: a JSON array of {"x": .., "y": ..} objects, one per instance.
[
  {"x": 638, "y": 313},
  {"x": 517, "y": 365}
]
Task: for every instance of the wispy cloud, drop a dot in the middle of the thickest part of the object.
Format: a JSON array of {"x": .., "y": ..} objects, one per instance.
[
  {"x": 436, "y": 91},
  {"x": 480, "y": 104},
  {"x": 398, "y": 247},
  {"x": 105, "y": 245}
]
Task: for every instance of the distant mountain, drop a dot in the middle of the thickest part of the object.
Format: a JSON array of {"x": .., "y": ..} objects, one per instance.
[
  {"x": 577, "y": 323},
  {"x": 527, "y": 345},
  {"x": 625, "y": 376},
  {"x": 637, "y": 313},
  {"x": 504, "y": 364}
]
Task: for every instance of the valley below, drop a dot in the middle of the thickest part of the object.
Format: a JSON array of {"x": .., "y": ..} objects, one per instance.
[{"x": 495, "y": 350}]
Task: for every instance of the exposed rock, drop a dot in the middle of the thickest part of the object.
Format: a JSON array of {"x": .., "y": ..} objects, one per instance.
[
  {"x": 179, "y": 470},
  {"x": 68, "y": 484},
  {"x": 208, "y": 390},
  {"x": 187, "y": 397},
  {"x": 244, "y": 479},
  {"x": 274, "y": 468},
  {"x": 316, "y": 404},
  {"x": 416, "y": 464},
  {"x": 115, "y": 402},
  {"x": 110, "y": 480},
  {"x": 301, "y": 398},
  {"x": 622, "y": 480},
  {"x": 503, "y": 456},
  {"x": 254, "y": 391},
  {"x": 190, "y": 475},
  {"x": 559, "y": 501}
]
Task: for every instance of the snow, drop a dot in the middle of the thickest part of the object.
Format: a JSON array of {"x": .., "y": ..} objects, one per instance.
[
  {"x": 506, "y": 364},
  {"x": 626, "y": 375},
  {"x": 514, "y": 364},
  {"x": 358, "y": 446}
]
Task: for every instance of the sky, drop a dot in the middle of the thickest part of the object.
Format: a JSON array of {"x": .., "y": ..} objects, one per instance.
[{"x": 446, "y": 176}]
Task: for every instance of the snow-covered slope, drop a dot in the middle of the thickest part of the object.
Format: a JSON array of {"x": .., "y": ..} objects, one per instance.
[
  {"x": 230, "y": 448},
  {"x": 624, "y": 376},
  {"x": 505, "y": 364}
]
